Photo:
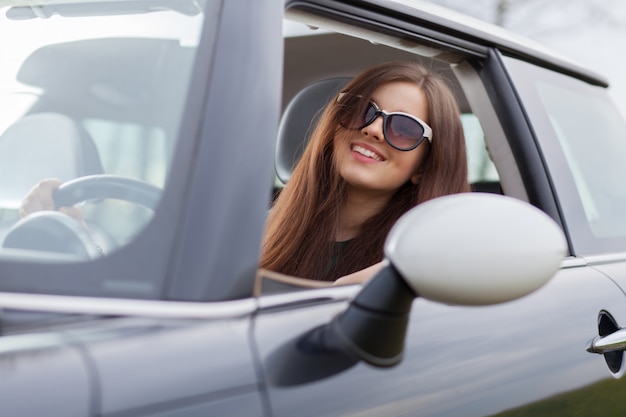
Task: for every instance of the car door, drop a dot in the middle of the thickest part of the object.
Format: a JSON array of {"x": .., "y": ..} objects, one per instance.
[
  {"x": 152, "y": 367},
  {"x": 458, "y": 361},
  {"x": 141, "y": 366},
  {"x": 46, "y": 365}
]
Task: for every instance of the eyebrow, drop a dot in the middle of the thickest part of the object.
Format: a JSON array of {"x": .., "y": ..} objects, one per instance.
[{"x": 393, "y": 111}]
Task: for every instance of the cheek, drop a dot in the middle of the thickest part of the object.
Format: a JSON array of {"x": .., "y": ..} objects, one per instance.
[
  {"x": 340, "y": 142},
  {"x": 340, "y": 136},
  {"x": 412, "y": 161}
]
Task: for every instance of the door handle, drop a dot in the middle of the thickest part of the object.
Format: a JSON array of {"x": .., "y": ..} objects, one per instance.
[{"x": 610, "y": 343}]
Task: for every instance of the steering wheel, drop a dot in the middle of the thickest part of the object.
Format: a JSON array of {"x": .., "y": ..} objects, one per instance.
[
  {"x": 96, "y": 187},
  {"x": 53, "y": 231}
]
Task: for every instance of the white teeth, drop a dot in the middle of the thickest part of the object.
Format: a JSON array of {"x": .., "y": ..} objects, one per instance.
[{"x": 366, "y": 152}]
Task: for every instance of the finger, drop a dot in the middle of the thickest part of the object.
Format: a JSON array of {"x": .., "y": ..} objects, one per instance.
[
  {"x": 39, "y": 197},
  {"x": 30, "y": 204},
  {"x": 45, "y": 193}
]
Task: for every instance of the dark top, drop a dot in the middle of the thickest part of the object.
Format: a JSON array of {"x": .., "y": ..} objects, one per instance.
[{"x": 339, "y": 249}]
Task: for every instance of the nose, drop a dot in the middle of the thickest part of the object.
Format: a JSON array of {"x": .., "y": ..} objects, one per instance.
[{"x": 375, "y": 129}]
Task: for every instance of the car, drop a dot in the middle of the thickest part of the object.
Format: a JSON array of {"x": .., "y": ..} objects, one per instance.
[{"x": 173, "y": 124}]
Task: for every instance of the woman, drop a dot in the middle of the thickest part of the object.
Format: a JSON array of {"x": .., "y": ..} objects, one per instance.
[{"x": 392, "y": 139}]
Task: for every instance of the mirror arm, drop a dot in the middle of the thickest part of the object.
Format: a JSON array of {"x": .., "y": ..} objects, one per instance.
[{"x": 373, "y": 328}]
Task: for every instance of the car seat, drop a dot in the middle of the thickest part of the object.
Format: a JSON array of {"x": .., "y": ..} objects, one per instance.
[{"x": 298, "y": 121}]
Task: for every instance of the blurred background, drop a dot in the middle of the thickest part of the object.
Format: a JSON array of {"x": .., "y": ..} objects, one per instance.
[{"x": 590, "y": 32}]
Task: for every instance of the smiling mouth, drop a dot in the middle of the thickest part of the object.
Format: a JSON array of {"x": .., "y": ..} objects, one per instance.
[{"x": 367, "y": 153}]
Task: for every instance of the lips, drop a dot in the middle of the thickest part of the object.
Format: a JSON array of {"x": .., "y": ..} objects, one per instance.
[{"x": 367, "y": 152}]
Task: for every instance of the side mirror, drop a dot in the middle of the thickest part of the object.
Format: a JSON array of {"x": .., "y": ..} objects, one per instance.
[
  {"x": 464, "y": 249},
  {"x": 473, "y": 249}
]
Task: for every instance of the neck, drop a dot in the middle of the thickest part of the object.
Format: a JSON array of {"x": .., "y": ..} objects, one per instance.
[{"x": 357, "y": 208}]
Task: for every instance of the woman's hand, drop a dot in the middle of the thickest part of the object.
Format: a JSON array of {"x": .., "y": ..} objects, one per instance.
[
  {"x": 40, "y": 198},
  {"x": 361, "y": 276}
]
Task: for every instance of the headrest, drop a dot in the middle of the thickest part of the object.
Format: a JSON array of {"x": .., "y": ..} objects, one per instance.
[
  {"x": 298, "y": 120},
  {"x": 39, "y": 146}
]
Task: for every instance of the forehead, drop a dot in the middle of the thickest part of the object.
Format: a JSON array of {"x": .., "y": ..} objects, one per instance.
[{"x": 403, "y": 96}]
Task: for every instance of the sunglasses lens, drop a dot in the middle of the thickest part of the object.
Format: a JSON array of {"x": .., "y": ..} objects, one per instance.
[
  {"x": 354, "y": 116},
  {"x": 369, "y": 115},
  {"x": 404, "y": 132}
]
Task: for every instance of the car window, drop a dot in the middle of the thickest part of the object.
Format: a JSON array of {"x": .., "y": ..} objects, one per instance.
[
  {"x": 581, "y": 137},
  {"x": 480, "y": 166},
  {"x": 90, "y": 91},
  {"x": 323, "y": 52},
  {"x": 313, "y": 53}
]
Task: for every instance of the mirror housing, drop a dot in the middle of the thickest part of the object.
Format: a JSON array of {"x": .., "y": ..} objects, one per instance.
[{"x": 475, "y": 249}]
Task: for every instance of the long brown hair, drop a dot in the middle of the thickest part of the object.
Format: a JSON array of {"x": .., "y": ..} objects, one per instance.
[{"x": 299, "y": 238}]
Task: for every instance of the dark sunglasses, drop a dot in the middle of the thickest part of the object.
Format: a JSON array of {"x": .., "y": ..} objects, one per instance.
[{"x": 402, "y": 131}]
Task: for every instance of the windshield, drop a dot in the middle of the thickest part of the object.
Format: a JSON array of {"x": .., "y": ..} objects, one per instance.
[{"x": 91, "y": 88}]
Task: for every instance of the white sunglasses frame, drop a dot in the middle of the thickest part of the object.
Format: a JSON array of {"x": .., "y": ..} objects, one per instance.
[{"x": 428, "y": 132}]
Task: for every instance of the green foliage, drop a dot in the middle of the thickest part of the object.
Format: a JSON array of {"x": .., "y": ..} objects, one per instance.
[{"x": 599, "y": 399}]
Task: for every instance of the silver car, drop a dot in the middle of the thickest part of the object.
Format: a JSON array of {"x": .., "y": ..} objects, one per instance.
[{"x": 172, "y": 123}]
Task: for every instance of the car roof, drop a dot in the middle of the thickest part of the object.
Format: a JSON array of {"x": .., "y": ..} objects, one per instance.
[{"x": 467, "y": 28}]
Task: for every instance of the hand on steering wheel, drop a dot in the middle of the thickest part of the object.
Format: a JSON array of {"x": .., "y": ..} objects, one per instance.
[
  {"x": 43, "y": 228},
  {"x": 41, "y": 198}
]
